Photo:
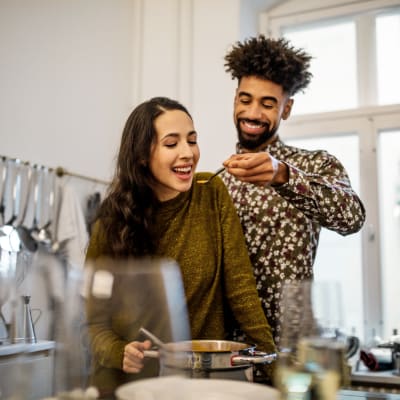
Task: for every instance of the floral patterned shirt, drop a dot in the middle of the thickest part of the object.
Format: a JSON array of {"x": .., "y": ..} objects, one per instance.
[{"x": 282, "y": 223}]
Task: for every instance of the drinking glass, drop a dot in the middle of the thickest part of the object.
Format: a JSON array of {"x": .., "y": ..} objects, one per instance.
[
  {"x": 135, "y": 293},
  {"x": 311, "y": 362}
]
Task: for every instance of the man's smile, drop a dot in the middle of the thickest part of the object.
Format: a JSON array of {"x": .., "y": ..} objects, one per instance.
[{"x": 252, "y": 127}]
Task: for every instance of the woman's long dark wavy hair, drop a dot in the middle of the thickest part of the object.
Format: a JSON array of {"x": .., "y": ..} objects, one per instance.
[{"x": 126, "y": 214}]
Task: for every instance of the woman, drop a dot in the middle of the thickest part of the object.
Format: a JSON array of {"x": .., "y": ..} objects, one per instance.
[{"x": 156, "y": 206}]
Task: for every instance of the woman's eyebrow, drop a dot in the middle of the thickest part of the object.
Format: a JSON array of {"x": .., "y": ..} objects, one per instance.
[
  {"x": 170, "y": 134},
  {"x": 176, "y": 134}
]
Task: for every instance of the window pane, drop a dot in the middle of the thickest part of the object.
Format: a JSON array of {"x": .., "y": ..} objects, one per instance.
[
  {"x": 345, "y": 265},
  {"x": 334, "y": 82},
  {"x": 389, "y": 198},
  {"x": 388, "y": 54}
]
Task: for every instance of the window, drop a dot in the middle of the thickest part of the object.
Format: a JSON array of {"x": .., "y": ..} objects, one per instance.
[
  {"x": 330, "y": 73},
  {"x": 388, "y": 58},
  {"x": 352, "y": 109},
  {"x": 389, "y": 200},
  {"x": 346, "y": 265}
]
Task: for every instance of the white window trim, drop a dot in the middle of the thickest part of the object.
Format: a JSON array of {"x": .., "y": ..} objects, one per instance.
[{"x": 295, "y": 12}]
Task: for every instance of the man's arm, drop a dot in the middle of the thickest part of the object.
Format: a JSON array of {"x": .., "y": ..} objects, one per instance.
[{"x": 323, "y": 195}]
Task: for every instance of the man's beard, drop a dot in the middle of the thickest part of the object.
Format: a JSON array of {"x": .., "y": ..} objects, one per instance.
[{"x": 256, "y": 140}]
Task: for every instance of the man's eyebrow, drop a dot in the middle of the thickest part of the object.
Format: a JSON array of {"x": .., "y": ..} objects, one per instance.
[
  {"x": 265, "y": 98},
  {"x": 270, "y": 98}
]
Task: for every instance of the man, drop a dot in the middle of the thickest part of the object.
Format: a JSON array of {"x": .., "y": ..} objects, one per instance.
[{"x": 283, "y": 195}]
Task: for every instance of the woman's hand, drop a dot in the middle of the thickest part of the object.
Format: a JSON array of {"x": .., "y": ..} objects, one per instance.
[{"x": 133, "y": 356}]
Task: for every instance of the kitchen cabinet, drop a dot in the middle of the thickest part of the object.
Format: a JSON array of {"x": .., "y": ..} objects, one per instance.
[{"x": 27, "y": 370}]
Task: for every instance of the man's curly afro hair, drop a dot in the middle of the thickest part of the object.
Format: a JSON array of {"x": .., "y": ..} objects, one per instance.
[{"x": 272, "y": 59}]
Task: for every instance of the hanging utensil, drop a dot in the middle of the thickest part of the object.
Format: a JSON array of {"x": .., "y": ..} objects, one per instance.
[
  {"x": 55, "y": 246},
  {"x": 10, "y": 239},
  {"x": 37, "y": 224},
  {"x": 23, "y": 230},
  {"x": 3, "y": 182},
  {"x": 43, "y": 235},
  {"x": 24, "y": 178}
]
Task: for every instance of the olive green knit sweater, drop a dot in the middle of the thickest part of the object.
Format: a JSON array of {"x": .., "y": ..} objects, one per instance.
[{"x": 201, "y": 231}]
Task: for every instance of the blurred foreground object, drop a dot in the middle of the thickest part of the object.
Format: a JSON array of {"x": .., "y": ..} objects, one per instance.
[
  {"x": 178, "y": 388},
  {"x": 120, "y": 298},
  {"x": 312, "y": 361}
]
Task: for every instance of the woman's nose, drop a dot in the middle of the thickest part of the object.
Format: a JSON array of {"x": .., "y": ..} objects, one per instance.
[{"x": 186, "y": 151}]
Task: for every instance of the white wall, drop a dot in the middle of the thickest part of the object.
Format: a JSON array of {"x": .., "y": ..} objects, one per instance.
[
  {"x": 65, "y": 69},
  {"x": 71, "y": 72},
  {"x": 213, "y": 88}
]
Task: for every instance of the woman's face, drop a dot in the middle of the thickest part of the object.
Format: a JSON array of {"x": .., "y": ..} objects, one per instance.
[{"x": 174, "y": 154}]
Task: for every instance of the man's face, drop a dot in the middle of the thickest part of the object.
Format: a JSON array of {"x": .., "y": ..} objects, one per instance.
[{"x": 258, "y": 109}]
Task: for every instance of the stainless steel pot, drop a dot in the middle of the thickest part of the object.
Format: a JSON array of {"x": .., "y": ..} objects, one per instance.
[{"x": 210, "y": 359}]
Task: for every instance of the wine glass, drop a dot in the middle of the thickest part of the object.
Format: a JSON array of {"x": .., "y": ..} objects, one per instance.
[{"x": 312, "y": 361}]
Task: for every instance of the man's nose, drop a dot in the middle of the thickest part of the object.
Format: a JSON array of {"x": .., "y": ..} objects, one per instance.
[{"x": 254, "y": 111}]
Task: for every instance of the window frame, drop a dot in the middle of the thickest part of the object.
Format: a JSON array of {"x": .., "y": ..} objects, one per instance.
[{"x": 366, "y": 121}]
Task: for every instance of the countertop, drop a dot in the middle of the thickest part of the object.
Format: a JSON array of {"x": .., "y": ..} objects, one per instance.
[
  {"x": 19, "y": 348},
  {"x": 361, "y": 395}
]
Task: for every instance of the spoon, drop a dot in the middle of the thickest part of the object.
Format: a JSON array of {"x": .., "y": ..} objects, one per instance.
[
  {"x": 153, "y": 338},
  {"x": 217, "y": 172}
]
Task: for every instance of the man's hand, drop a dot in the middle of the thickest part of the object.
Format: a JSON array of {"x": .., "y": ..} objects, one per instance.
[
  {"x": 259, "y": 168},
  {"x": 133, "y": 356}
]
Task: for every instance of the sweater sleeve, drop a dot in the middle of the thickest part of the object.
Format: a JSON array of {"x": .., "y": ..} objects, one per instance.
[
  {"x": 239, "y": 281},
  {"x": 107, "y": 347}
]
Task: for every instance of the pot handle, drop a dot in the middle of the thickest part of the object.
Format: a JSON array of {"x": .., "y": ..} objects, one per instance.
[
  {"x": 151, "y": 353},
  {"x": 258, "y": 358}
]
